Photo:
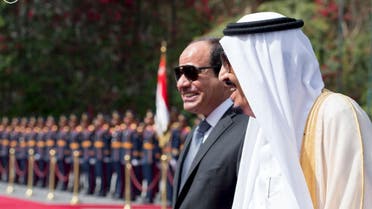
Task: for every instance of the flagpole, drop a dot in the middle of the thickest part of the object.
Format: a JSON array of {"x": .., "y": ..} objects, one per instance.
[
  {"x": 163, "y": 48},
  {"x": 163, "y": 138}
]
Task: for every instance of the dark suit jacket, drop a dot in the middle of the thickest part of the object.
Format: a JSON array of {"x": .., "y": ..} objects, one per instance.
[{"x": 212, "y": 177}]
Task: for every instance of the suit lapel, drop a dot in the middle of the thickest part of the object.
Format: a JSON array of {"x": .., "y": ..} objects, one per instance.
[
  {"x": 183, "y": 153},
  {"x": 217, "y": 131},
  {"x": 220, "y": 127}
]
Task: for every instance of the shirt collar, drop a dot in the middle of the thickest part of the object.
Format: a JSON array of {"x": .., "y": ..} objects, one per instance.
[{"x": 217, "y": 113}]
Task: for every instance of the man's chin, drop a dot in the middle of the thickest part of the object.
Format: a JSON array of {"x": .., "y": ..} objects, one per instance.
[
  {"x": 233, "y": 96},
  {"x": 190, "y": 107}
]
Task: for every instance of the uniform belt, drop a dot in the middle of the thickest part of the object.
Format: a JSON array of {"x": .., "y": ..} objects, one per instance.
[
  {"x": 115, "y": 144},
  {"x": 86, "y": 144},
  {"x": 127, "y": 145},
  {"x": 136, "y": 153},
  {"x": 5, "y": 142},
  {"x": 79, "y": 153},
  {"x": 22, "y": 144},
  {"x": 74, "y": 145},
  {"x": 148, "y": 146},
  {"x": 40, "y": 144},
  {"x": 13, "y": 143},
  {"x": 167, "y": 149},
  {"x": 91, "y": 153},
  {"x": 31, "y": 143},
  {"x": 61, "y": 143},
  {"x": 50, "y": 143},
  {"x": 98, "y": 144}
]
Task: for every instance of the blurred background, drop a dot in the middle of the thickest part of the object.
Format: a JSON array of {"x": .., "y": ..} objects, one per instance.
[{"x": 74, "y": 56}]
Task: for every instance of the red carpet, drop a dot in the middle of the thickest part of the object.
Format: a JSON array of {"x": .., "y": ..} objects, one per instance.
[{"x": 15, "y": 203}]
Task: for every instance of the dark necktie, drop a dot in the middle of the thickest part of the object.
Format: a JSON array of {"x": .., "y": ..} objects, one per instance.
[{"x": 194, "y": 147}]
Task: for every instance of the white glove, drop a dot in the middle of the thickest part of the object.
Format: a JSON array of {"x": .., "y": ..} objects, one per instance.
[
  {"x": 134, "y": 162},
  {"x": 173, "y": 163}
]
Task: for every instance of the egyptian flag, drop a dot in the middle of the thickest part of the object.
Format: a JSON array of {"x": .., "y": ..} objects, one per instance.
[{"x": 162, "y": 112}]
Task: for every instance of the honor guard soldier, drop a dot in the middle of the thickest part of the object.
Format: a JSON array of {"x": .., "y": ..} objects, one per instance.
[
  {"x": 140, "y": 130},
  {"x": 150, "y": 155},
  {"x": 21, "y": 148},
  {"x": 172, "y": 150},
  {"x": 88, "y": 155},
  {"x": 63, "y": 150},
  {"x": 40, "y": 152},
  {"x": 4, "y": 147},
  {"x": 128, "y": 137},
  {"x": 115, "y": 120},
  {"x": 75, "y": 138},
  {"x": 19, "y": 139},
  {"x": 102, "y": 147},
  {"x": 116, "y": 155},
  {"x": 185, "y": 129},
  {"x": 179, "y": 131},
  {"x": 136, "y": 157},
  {"x": 107, "y": 158},
  {"x": 51, "y": 137}
]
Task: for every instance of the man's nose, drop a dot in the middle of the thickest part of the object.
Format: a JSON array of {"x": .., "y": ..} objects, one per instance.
[{"x": 183, "y": 82}]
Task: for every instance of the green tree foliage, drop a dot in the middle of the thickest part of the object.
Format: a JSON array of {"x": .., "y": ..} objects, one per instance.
[{"x": 66, "y": 56}]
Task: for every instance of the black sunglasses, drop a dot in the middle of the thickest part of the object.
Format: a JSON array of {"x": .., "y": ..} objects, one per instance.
[{"x": 190, "y": 71}]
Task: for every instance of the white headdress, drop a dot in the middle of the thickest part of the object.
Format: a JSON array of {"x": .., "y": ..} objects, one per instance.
[{"x": 280, "y": 77}]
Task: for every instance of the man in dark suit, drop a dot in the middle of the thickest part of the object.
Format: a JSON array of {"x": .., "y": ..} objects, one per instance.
[{"x": 208, "y": 165}]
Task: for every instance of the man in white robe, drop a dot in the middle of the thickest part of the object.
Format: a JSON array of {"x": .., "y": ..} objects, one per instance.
[{"x": 306, "y": 147}]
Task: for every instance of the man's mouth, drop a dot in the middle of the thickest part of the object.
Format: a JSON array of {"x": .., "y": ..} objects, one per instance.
[{"x": 187, "y": 96}]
